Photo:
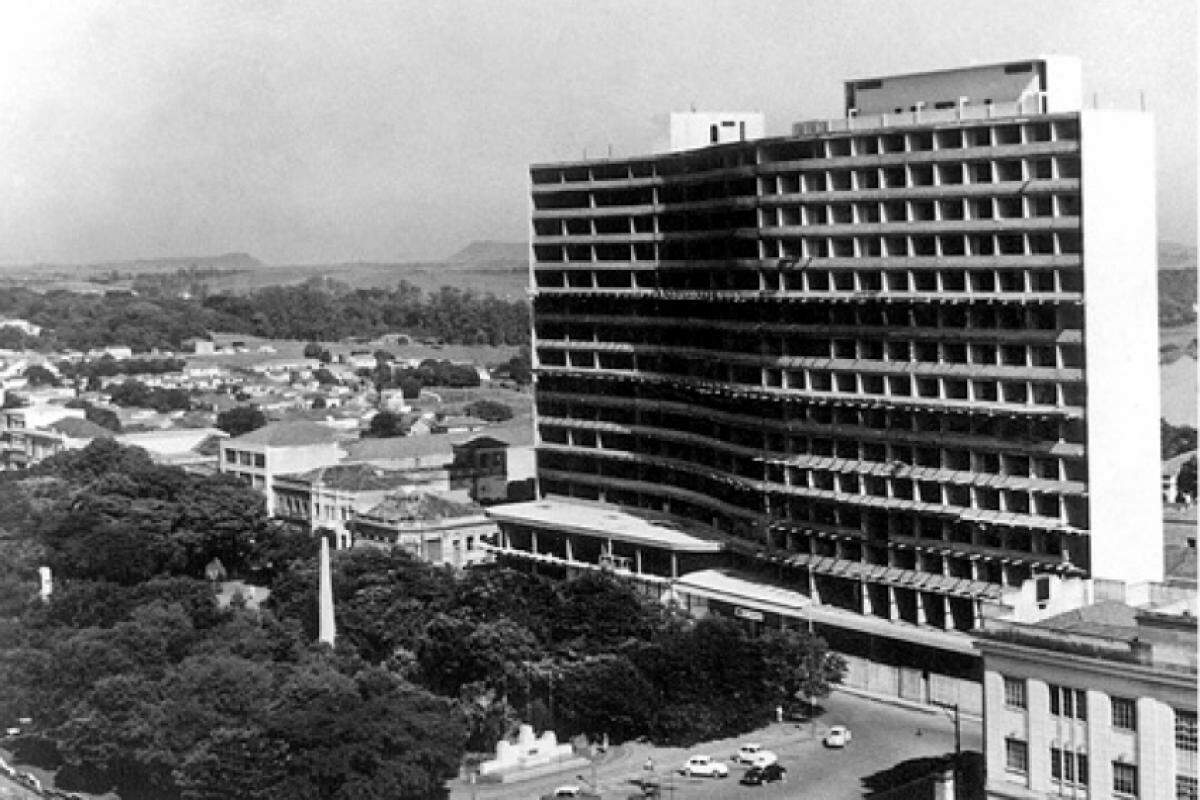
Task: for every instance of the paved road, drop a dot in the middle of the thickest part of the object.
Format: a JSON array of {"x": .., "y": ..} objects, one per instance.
[{"x": 884, "y": 736}]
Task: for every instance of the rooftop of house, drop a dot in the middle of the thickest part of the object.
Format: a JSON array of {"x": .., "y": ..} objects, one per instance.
[
  {"x": 356, "y": 477},
  {"x": 421, "y": 506},
  {"x": 400, "y": 448},
  {"x": 78, "y": 428},
  {"x": 1109, "y": 618},
  {"x": 289, "y": 434}
]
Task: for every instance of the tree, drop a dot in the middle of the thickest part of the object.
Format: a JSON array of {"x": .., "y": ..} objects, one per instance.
[
  {"x": 104, "y": 417},
  {"x": 38, "y": 375},
  {"x": 385, "y": 425},
  {"x": 490, "y": 410},
  {"x": 312, "y": 350},
  {"x": 241, "y": 420},
  {"x": 1187, "y": 477},
  {"x": 410, "y": 387}
]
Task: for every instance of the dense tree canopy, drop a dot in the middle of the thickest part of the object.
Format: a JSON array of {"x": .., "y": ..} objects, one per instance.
[
  {"x": 313, "y": 311},
  {"x": 139, "y": 681},
  {"x": 240, "y": 420}
]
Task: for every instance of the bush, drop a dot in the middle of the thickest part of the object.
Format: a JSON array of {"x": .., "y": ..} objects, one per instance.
[{"x": 489, "y": 410}]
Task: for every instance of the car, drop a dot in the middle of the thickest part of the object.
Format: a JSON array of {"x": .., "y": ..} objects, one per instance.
[
  {"x": 705, "y": 766},
  {"x": 570, "y": 792},
  {"x": 753, "y": 753},
  {"x": 767, "y": 773},
  {"x": 838, "y": 736}
]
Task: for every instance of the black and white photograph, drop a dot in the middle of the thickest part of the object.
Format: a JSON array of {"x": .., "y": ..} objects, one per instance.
[{"x": 605, "y": 400}]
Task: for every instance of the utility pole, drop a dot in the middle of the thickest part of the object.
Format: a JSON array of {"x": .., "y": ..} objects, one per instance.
[{"x": 957, "y": 750}]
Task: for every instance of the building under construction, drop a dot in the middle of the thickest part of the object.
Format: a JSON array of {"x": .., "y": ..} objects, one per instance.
[{"x": 892, "y": 372}]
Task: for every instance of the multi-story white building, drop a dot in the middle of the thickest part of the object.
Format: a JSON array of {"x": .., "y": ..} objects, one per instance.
[
  {"x": 279, "y": 448},
  {"x": 905, "y": 360},
  {"x": 1095, "y": 703}
]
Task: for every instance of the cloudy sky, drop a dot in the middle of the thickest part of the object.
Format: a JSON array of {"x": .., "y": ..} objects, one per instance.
[{"x": 316, "y": 131}]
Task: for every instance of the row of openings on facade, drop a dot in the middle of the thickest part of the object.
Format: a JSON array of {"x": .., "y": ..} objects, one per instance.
[
  {"x": 962, "y": 318},
  {"x": 953, "y": 209},
  {"x": 777, "y": 245},
  {"x": 977, "y": 280},
  {"x": 816, "y": 345},
  {"x": 874, "y": 143},
  {"x": 847, "y": 485}
]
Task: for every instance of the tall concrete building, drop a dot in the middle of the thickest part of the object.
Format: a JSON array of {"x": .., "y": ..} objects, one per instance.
[{"x": 902, "y": 361}]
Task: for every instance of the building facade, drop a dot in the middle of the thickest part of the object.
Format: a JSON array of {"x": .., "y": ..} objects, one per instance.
[
  {"x": 906, "y": 356},
  {"x": 277, "y": 449},
  {"x": 1096, "y": 703}
]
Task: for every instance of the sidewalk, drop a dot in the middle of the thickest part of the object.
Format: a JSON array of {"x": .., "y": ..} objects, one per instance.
[{"x": 912, "y": 705}]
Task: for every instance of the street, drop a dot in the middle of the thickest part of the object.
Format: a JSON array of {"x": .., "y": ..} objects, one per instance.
[{"x": 883, "y": 736}]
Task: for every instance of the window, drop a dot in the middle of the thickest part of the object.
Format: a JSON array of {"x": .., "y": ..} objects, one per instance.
[
  {"x": 1068, "y": 767},
  {"x": 1014, "y": 692},
  {"x": 1071, "y": 703},
  {"x": 1185, "y": 730},
  {"x": 1016, "y": 755},
  {"x": 1124, "y": 713},
  {"x": 260, "y": 460},
  {"x": 1185, "y": 788},
  {"x": 1125, "y": 779},
  {"x": 231, "y": 456}
]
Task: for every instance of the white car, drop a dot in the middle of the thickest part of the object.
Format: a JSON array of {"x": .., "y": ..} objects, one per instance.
[
  {"x": 705, "y": 766},
  {"x": 752, "y": 753},
  {"x": 838, "y": 736}
]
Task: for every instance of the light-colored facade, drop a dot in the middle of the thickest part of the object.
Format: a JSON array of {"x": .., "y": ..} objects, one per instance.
[
  {"x": 431, "y": 527},
  {"x": 25, "y": 439},
  {"x": 280, "y": 448},
  {"x": 690, "y": 130},
  {"x": 1100, "y": 703}
]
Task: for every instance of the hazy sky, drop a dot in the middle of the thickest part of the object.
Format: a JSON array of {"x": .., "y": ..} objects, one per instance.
[{"x": 317, "y": 131}]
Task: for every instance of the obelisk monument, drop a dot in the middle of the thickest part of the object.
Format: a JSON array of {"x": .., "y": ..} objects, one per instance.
[{"x": 327, "y": 627}]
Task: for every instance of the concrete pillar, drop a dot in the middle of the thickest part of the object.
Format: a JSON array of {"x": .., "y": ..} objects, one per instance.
[
  {"x": 993, "y": 735},
  {"x": 569, "y": 548},
  {"x": 533, "y": 548},
  {"x": 608, "y": 546},
  {"x": 1041, "y": 729},
  {"x": 947, "y": 614},
  {"x": 893, "y": 609},
  {"x": 637, "y": 561},
  {"x": 1100, "y": 743},
  {"x": 921, "y": 619},
  {"x": 674, "y": 565}
]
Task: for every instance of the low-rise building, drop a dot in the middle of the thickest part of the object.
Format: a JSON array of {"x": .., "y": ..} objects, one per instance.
[
  {"x": 280, "y": 448},
  {"x": 1097, "y": 702},
  {"x": 328, "y": 497},
  {"x": 24, "y": 440},
  {"x": 432, "y": 528}
]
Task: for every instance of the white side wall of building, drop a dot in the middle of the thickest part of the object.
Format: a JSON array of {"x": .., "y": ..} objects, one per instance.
[
  {"x": 1121, "y": 344},
  {"x": 690, "y": 130}
]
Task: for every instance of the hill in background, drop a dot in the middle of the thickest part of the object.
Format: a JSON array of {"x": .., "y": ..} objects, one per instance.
[
  {"x": 224, "y": 261},
  {"x": 492, "y": 253}
]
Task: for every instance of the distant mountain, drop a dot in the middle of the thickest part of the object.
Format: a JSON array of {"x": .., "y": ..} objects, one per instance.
[
  {"x": 490, "y": 253},
  {"x": 226, "y": 261},
  {"x": 1172, "y": 255}
]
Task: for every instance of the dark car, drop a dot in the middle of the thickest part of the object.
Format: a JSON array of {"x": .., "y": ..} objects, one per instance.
[{"x": 756, "y": 776}]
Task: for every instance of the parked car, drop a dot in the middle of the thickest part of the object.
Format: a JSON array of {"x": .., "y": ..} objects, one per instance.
[
  {"x": 838, "y": 736},
  {"x": 705, "y": 766},
  {"x": 768, "y": 773},
  {"x": 753, "y": 753},
  {"x": 570, "y": 792}
]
